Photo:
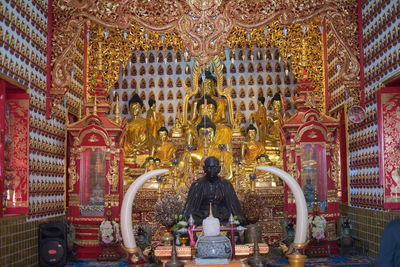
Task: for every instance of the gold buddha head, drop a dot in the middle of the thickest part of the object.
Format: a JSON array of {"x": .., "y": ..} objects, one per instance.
[
  {"x": 261, "y": 159},
  {"x": 260, "y": 101},
  {"x": 150, "y": 161},
  {"x": 251, "y": 132},
  {"x": 208, "y": 107},
  {"x": 276, "y": 103},
  {"x": 152, "y": 104},
  {"x": 135, "y": 105},
  {"x": 163, "y": 134},
  {"x": 206, "y": 130}
]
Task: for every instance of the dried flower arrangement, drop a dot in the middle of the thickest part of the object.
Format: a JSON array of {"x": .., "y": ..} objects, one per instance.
[{"x": 167, "y": 207}]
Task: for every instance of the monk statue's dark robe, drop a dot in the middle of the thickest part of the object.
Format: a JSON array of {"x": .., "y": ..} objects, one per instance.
[{"x": 215, "y": 190}]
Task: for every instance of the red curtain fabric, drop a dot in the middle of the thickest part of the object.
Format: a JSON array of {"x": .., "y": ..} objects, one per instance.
[
  {"x": 85, "y": 173},
  {"x": 321, "y": 169}
]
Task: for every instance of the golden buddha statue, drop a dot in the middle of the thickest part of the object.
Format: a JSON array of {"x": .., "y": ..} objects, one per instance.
[
  {"x": 149, "y": 164},
  {"x": 155, "y": 120},
  {"x": 164, "y": 150},
  {"x": 207, "y": 146},
  {"x": 208, "y": 88},
  {"x": 261, "y": 119},
  {"x": 276, "y": 129},
  {"x": 177, "y": 128},
  {"x": 223, "y": 134},
  {"x": 252, "y": 149},
  {"x": 136, "y": 136}
]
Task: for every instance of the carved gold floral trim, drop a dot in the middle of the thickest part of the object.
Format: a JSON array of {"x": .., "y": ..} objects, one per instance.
[
  {"x": 201, "y": 27},
  {"x": 73, "y": 175}
]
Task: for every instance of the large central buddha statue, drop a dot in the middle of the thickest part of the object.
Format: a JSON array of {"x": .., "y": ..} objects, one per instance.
[
  {"x": 207, "y": 146},
  {"x": 223, "y": 134},
  {"x": 208, "y": 89},
  {"x": 215, "y": 190}
]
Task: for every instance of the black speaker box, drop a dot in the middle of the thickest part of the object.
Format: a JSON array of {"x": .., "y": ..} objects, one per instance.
[{"x": 52, "y": 244}]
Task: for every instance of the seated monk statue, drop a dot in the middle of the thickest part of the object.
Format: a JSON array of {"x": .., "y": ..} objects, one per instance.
[
  {"x": 136, "y": 136},
  {"x": 215, "y": 190},
  {"x": 163, "y": 149},
  {"x": 260, "y": 118},
  {"x": 252, "y": 148}
]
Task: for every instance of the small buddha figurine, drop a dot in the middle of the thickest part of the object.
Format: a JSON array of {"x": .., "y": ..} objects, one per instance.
[
  {"x": 215, "y": 190},
  {"x": 252, "y": 148},
  {"x": 155, "y": 120},
  {"x": 136, "y": 137},
  {"x": 149, "y": 164},
  {"x": 164, "y": 150},
  {"x": 262, "y": 159},
  {"x": 177, "y": 129},
  {"x": 309, "y": 192},
  {"x": 97, "y": 196}
]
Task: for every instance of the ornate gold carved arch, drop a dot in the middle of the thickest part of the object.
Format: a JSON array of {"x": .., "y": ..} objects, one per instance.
[{"x": 204, "y": 26}]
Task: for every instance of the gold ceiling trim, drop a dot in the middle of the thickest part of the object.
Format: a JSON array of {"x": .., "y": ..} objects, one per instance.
[{"x": 203, "y": 26}]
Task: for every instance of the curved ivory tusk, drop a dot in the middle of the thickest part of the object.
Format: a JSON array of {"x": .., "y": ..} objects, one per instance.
[
  {"x": 126, "y": 209},
  {"x": 301, "y": 205}
]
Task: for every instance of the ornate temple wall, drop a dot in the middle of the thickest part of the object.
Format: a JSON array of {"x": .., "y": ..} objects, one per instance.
[
  {"x": 161, "y": 76},
  {"x": 23, "y": 59},
  {"x": 380, "y": 34},
  {"x": 381, "y": 51},
  {"x": 380, "y": 48}
]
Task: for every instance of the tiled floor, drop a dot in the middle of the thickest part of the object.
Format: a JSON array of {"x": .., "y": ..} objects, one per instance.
[{"x": 272, "y": 261}]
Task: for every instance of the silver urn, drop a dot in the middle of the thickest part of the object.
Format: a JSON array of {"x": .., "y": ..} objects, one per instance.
[{"x": 213, "y": 247}]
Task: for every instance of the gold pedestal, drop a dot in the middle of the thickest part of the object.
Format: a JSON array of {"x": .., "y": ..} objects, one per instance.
[{"x": 296, "y": 260}]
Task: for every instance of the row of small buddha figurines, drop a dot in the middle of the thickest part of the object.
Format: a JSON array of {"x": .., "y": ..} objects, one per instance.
[{"x": 148, "y": 144}]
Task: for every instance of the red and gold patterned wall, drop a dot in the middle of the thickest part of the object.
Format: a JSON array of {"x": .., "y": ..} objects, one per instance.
[
  {"x": 380, "y": 35},
  {"x": 23, "y": 58}
]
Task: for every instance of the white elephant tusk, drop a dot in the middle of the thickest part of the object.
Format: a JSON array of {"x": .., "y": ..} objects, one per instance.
[
  {"x": 301, "y": 205},
  {"x": 126, "y": 209}
]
